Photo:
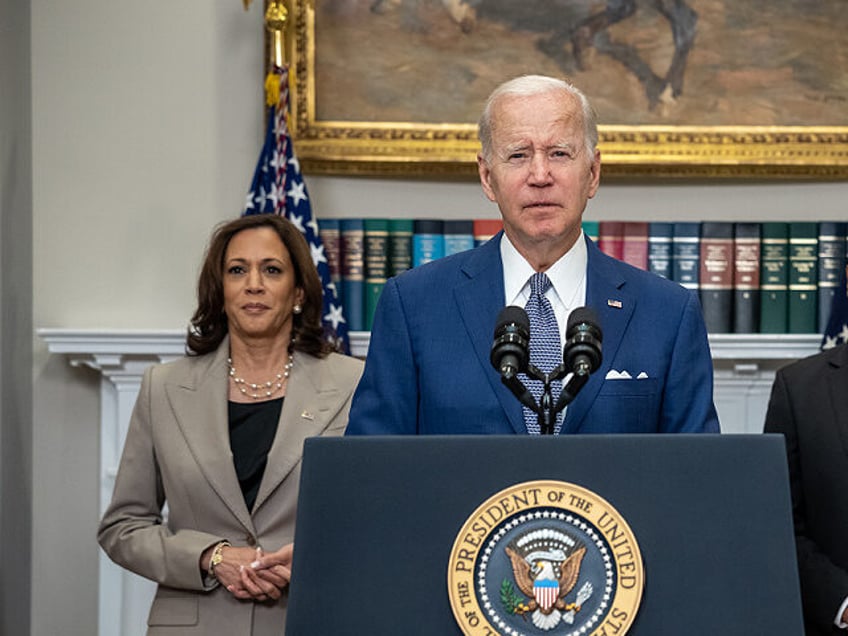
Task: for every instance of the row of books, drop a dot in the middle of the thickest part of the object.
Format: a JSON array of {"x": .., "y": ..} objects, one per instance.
[
  {"x": 363, "y": 253},
  {"x": 752, "y": 277}
]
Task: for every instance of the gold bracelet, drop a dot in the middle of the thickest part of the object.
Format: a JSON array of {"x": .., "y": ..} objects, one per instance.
[{"x": 217, "y": 556}]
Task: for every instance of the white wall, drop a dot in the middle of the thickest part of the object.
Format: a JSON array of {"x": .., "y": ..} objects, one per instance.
[
  {"x": 146, "y": 126},
  {"x": 649, "y": 201}
]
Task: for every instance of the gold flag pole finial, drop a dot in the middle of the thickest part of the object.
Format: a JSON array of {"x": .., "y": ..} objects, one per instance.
[{"x": 275, "y": 21}]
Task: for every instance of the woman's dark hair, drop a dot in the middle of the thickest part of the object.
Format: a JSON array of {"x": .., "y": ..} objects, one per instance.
[{"x": 209, "y": 322}]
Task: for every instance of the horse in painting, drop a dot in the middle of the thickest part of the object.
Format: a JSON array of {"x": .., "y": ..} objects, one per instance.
[{"x": 571, "y": 29}]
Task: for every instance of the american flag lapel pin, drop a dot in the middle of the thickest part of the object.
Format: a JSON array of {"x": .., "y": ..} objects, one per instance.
[{"x": 614, "y": 303}]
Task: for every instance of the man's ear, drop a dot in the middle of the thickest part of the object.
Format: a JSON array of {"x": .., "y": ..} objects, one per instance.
[
  {"x": 595, "y": 170},
  {"x": 485, "y": 173}
]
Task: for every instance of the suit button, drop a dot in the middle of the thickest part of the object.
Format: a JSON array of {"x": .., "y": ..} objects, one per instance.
[{"x": 251, "y": 540}]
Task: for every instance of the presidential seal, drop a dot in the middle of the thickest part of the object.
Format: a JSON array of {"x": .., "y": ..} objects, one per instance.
[{"x": 545, "y": 557}]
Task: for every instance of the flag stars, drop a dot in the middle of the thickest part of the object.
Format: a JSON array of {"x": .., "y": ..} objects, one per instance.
[
  {"x": 317, "y": 254},
  {"x": 335, "y": 316},
  {"x": 277, "y": 160},
  {"x": 274, "y": 195},
  {"x": 297, "y": 221},
  {"x": 297, "y": 194},
  {"x": 260, "y": 198},
  {"x": 294, "y": 162}
]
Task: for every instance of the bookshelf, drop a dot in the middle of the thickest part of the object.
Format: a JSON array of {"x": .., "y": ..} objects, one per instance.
[{"x": 752, "y": 277}]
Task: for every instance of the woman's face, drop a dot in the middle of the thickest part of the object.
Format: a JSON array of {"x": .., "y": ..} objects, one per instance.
[{"x": 259, "y": 285}]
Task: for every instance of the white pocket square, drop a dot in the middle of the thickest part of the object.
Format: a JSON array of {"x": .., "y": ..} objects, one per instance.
[{"x": 624, "y": 375}]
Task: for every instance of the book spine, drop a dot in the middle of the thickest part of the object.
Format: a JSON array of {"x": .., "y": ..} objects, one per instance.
[
  {"x": 774, "y": 277},
  {"x": 428, "y": 241},
  {"x": 611, "y": 238},
  {"x": 686, "y": 250},
  {"x": 803, "y": 277},
  {"x": 746, "y": 278},
  {"x": 353, "y": 272},
  {"x": 659, "y": 249},
  {"x": 459, "y": 236},
  {"x": 485, "y": 229},
  {"x": 376, "y": 265},
  {"x": 591, "y": 229},
  {"x": 328, "y": 230},
  {"x": 634, "y": 249},
  {"x": 832, "y": 237},
  {"x": 400, "y": 246},
  {"x": 716, "y": 276}
]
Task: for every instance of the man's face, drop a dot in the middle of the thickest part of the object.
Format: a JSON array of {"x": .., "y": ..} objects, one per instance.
[{"x": 540, "y": 173}]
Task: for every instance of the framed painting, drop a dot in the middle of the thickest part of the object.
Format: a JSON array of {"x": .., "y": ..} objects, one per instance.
[{"x": 683, "y": 88}]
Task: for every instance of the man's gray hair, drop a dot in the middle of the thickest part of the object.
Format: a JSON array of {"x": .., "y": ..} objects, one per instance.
[{"x": 527, "y": 86}]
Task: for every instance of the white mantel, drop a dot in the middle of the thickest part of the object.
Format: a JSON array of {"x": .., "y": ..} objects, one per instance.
[
  {"x": 109, "y": 350},
  {"x": 744, "y": 371}
]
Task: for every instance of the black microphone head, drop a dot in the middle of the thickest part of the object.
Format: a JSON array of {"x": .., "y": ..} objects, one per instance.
[
  {"x": 511, "y": 347},
  {"x": 583, "y": 337},
  {"x": 513, "y": 315},
  {"x": 583, "y": 319}
]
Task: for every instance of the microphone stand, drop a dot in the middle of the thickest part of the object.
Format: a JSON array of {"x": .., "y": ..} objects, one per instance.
[{"x": 546, "y": 410}]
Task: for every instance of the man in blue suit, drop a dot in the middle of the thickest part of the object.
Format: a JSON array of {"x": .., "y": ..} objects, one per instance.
[{"x": 428, "y": 369}]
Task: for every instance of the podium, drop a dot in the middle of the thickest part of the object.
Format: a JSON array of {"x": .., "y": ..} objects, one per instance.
[{"x": 378, "y": 518}]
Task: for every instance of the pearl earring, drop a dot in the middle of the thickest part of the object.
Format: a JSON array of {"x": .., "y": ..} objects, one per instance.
[{"x": 297, "y": 309}]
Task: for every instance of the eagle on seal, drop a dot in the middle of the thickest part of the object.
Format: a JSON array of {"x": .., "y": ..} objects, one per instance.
[{"x": 546, "y": 577}]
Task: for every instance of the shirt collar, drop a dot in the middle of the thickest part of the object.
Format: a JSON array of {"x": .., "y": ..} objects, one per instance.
[{"x": 567, "y": 275}]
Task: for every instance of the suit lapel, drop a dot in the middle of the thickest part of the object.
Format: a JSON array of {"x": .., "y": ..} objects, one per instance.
[
  {"x": 199, "y": 403},
  {"x": 837, "y": 384},
  {"x": 480, "y": 298},
  {"x": 312, "y": 399},
  {"x": 606, "y": 295}
]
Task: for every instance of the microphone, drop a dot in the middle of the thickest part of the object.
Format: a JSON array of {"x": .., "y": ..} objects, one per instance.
[
  {"x": 511, "y": 347},
  {"x": 582, "y": 351}
]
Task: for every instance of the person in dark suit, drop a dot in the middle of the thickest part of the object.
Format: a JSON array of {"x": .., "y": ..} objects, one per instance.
[
  {"x": 218, "y": 436},
  {"x": 428, "y": 369},
  {"x": 809, "y": 406}
]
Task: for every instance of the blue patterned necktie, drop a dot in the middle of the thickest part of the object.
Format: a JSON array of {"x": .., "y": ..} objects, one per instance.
[{"x": 545, "y": 349}]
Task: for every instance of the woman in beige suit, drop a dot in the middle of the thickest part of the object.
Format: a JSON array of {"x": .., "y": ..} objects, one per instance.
[{"x": 218, "y": 436}]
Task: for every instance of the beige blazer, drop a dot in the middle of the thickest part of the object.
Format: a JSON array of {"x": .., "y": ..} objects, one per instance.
[{"x": 177, "y": 451}]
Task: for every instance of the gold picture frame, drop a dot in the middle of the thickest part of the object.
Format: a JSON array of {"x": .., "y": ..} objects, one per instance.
[{"x": 368, "y": 146}]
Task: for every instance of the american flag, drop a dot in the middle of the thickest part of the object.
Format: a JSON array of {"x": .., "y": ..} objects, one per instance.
[
  {"x": 836, "y": 331},
  {"x": 278, "y": 188}
]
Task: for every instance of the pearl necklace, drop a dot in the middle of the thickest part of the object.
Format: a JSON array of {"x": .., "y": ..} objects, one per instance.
[{"x": 264, "y": 389}]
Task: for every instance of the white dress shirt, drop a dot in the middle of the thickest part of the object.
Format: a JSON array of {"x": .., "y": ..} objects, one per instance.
[{"x": 567, "y": 276}]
